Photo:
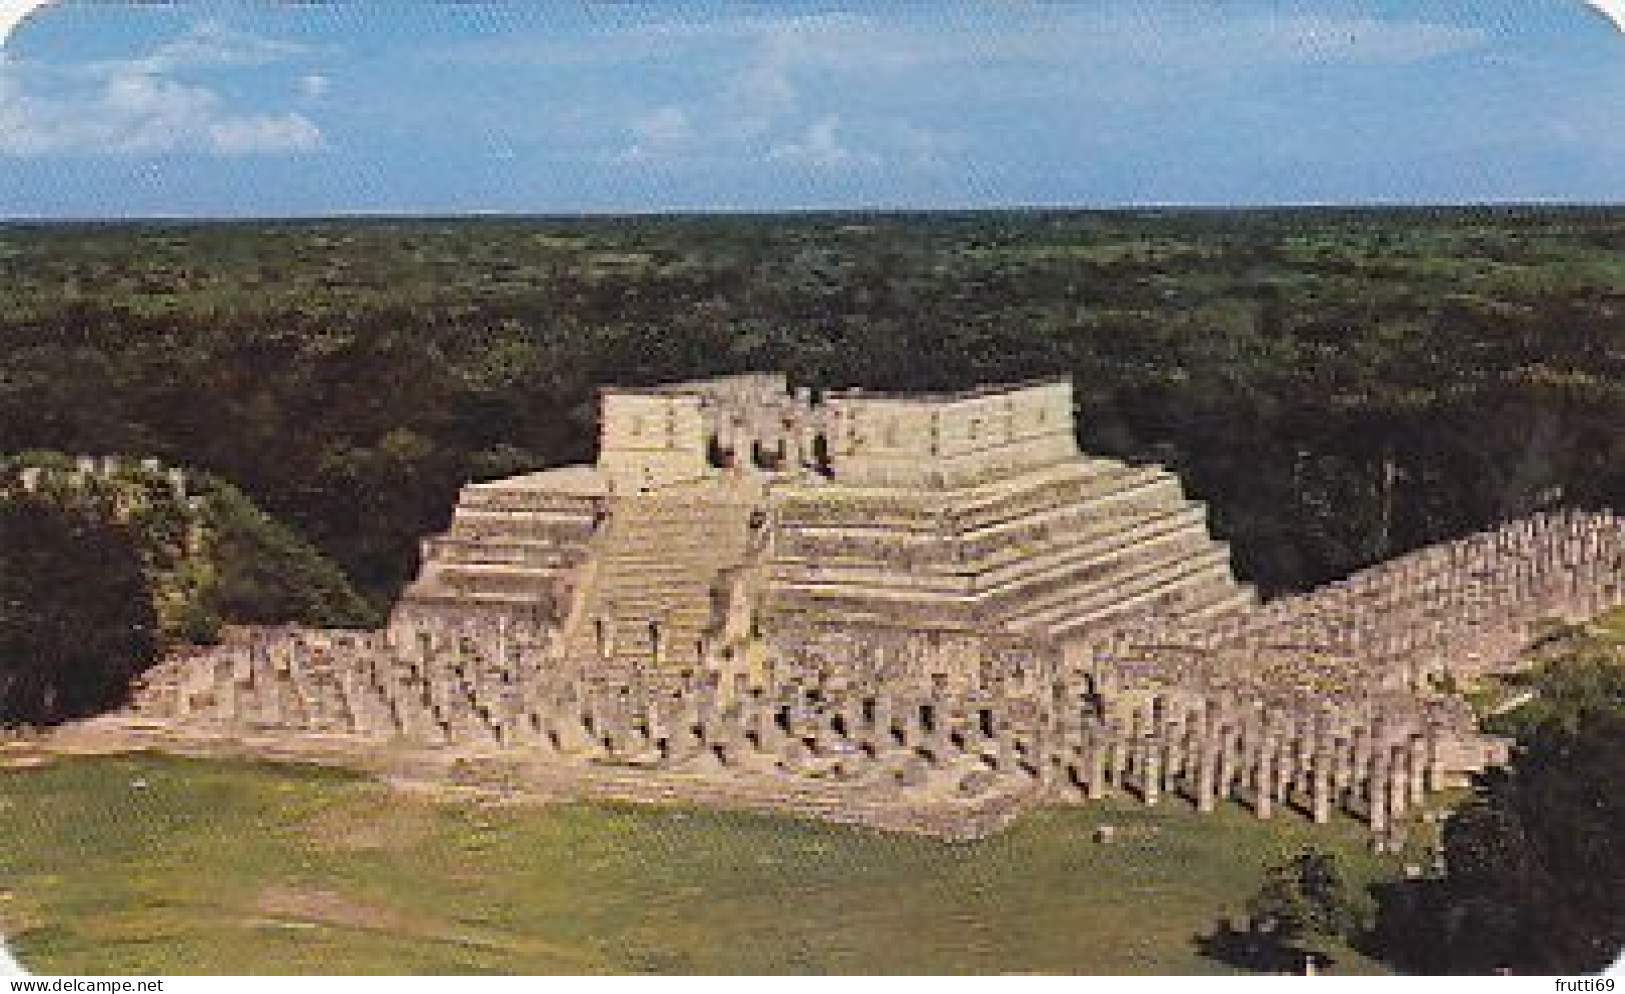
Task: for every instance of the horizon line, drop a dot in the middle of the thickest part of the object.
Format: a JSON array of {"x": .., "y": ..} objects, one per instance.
[{"x": 1192, "y": 207}]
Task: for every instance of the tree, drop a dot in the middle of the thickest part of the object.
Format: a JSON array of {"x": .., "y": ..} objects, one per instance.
[
  {"x": 1301, "y": 913},
  {"x": 76, "y": 616},
  {"x": 1304, "y": 903},
  {"x": 1535, "y": 862}
]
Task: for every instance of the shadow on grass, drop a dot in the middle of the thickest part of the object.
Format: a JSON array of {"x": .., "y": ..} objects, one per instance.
[{"x": 1258, "y": 951}]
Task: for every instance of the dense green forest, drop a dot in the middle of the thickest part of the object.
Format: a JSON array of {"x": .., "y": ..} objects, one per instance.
[
  {"x": 1340, "y": 385},
  {"x": 104, "y": 564}
]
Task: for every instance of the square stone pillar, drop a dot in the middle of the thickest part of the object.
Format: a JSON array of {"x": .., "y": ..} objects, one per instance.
[
  {"x": 1095, "y": 786},
  {"x": 1321, "y": 789},
  {"x": 1419, "y": 766},
  {"x": 1224, "y": 772},
  {"x": 1151, "y": 774},
  {"x": 1379, "y": 807},
  {"x": 1207, "y": 762},
  {"x": 1264, "y": 782},
  {"x": 1398, "y": 781}
]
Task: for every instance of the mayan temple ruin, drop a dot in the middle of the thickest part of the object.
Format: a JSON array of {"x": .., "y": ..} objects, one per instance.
[{"x": 917, "y": 612}]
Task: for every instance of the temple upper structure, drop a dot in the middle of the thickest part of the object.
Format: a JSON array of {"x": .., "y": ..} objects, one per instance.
[
  {"x": 756, "y": 426},
  {"x": 737, "y": 525}
]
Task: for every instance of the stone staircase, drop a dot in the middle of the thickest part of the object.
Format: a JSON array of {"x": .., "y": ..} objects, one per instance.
[
  {"x": 656, "y": 598},
  {"x": 508, "y": 548}
]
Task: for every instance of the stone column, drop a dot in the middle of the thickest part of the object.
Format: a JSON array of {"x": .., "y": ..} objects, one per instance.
[
  {"x": 1151, "y": 775},
  {"x": 1174, "y": 747},
  {"x": 1224, "y": 764},
  {"x": 1418, "y": 764},
  {"x": 1379, "y": 805},
  {"x": 1095, "y": 787},
  {"x": 1360, "y": 760},
  {"x": 764, "y": 725},
  {"x": 1206, "y": 768},
  {"x": 883, "y": 714},
  {"x": 1398, "y": 781},
  {"x": 1264, "y": 781},
  {"x": 1435, "y": 772},
  {"x": 1321, "y": 787}
]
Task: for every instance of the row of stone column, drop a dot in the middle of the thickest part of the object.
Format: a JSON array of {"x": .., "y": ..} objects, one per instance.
[{"x": 1207, "y": 750}]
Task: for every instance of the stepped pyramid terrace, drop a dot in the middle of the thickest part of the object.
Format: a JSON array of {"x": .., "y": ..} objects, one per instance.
[
  {"x": 922, "y": 613},
  {"x": 731, "y": 524}
]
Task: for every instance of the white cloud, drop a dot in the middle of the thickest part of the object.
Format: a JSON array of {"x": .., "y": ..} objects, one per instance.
[
  {"x": 821, "y": 146},
  {"x": 1360, "y": 40},
  {"x": 758, "y": 109},
  {"x": 926, "y": 146},
  {"x": 883, "y": 83},
  {"x": 314, "y": 86},
  {"x": 131, "y": 112},
  {"x": 765, "y": 89},
  {"x": 288, "y": 132},
  {"x": 664, "y": 127},
  {"x": 660, "y": 133},
  {"x": 211, "y": 43},
  {"x": 142, "y": 105}
]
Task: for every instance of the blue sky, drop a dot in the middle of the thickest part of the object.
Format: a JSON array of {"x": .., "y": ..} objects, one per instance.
[{"x": 555, "y": 106}]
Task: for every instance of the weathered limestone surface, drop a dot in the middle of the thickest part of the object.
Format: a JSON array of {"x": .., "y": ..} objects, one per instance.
[{"x": 921, "y": 614}]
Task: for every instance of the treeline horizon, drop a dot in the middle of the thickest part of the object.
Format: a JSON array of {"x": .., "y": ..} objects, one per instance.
[
  {"x": 1324, "y": 210},
  {"x": 1341, "y": 385}
]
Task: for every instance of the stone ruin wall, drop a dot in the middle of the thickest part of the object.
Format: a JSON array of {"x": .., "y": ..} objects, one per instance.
[
  {"x": 653, "y": 437},
  {"x": 177, "y": 567},
  {"x": 915, "y": 441},
  {"x": 1317, "y": 703}
]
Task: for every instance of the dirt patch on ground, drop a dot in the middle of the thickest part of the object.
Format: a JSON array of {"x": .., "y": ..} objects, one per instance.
[
  {"x": 327, "y": 907},
  {"x": 372, "y": 825},
  {"x": 304, "y": 906},
  {"x": 17, "y": 915}
]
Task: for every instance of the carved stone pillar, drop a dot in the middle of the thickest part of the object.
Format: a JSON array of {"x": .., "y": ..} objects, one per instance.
[
  {"x": 1095, "y": 786},
  {"x": 1206, "y": 768},
  {"x": 1321, "y": 787},
  {"x": 1264, "y": 782},
  {"x": 1151, "y": 775}
]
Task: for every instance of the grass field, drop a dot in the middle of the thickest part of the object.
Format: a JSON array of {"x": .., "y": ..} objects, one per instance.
[
  {"x": 161, "y": 865},
  {"x": 1614, "y": 625}
]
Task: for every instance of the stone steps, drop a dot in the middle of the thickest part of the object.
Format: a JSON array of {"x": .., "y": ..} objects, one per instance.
[
  {"x": 1162, "y": 543},
  {"x": 433, "y": 595},
  {"x": 923, "y": 522},
  {"x": 1239, "y": 600},
  {"x": 812, "y": 596},
  {"x": 1117, "y": 594},
  {"x": 659, "y": 562},
  {"x": 493, "y": 577},
  {"x": 507, "y": 548},
  {"x": 526, "y": 553},
  {"x": 967, "y": 588},
  {"x": 1201, "y": 585},
  {"x": 1100, "y": 544},
  {"x": 1117, "y": 486},
  {"x": 518, "y": 526},
  {"x": 989, "y": 548},
  {"x": 1094, "y": 517}
]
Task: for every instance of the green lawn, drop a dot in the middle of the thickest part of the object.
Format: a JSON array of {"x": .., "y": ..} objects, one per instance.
[
  {"x": 162, "y": 865},
  {"x": 1614, "y": 624}
]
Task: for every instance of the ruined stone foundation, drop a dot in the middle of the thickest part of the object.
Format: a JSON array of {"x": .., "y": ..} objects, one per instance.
[{"x": 917, "y": 613}]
